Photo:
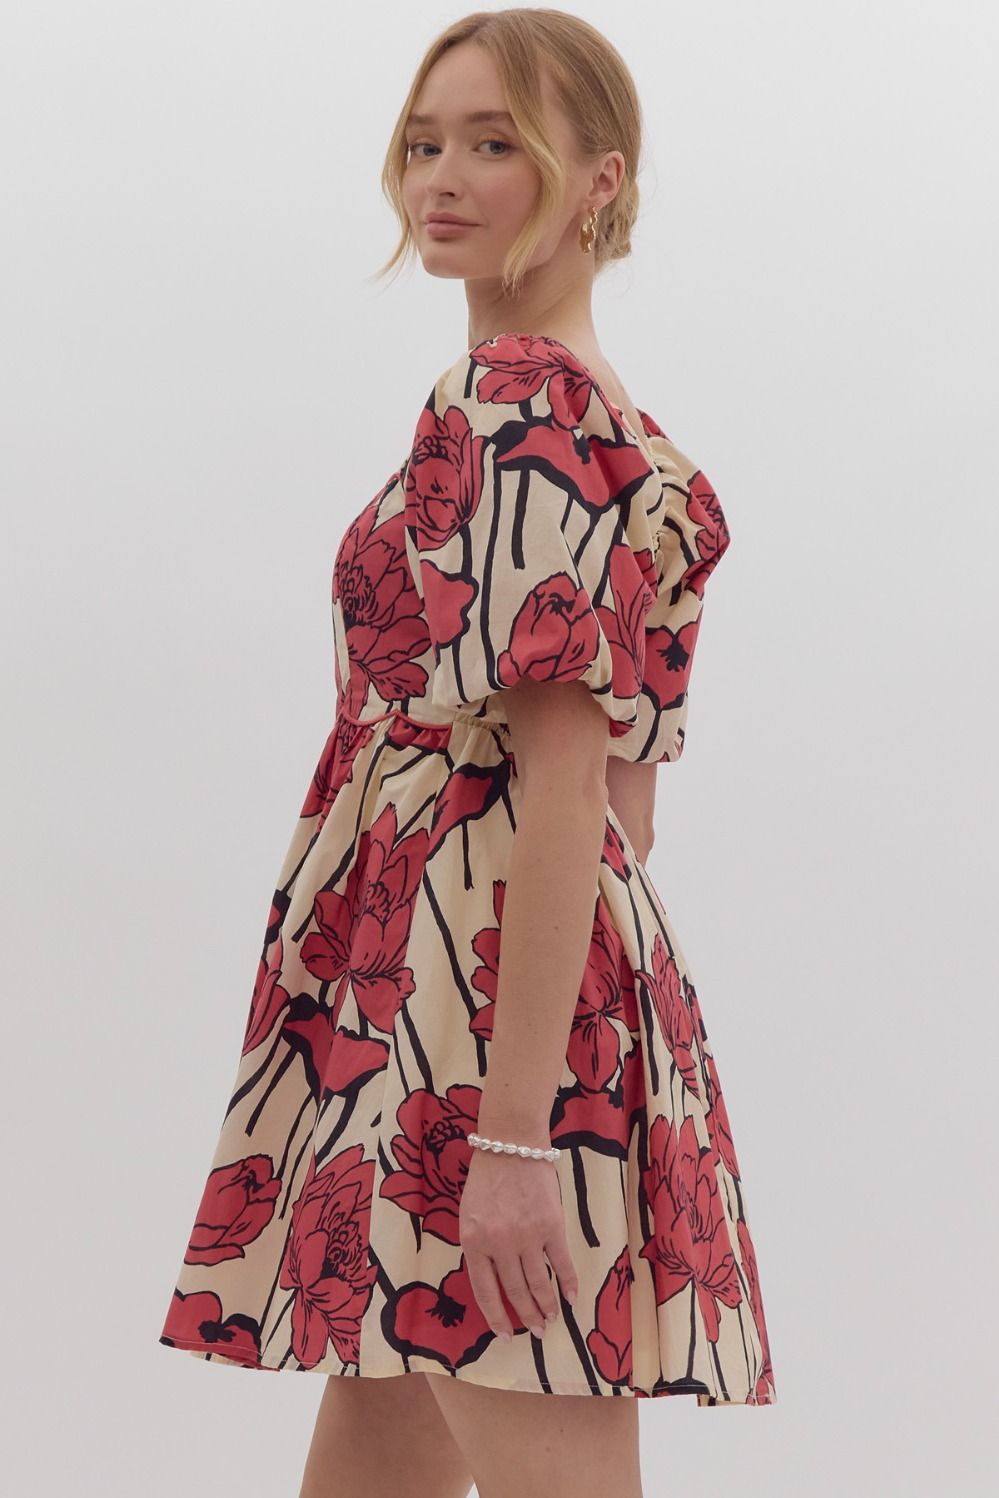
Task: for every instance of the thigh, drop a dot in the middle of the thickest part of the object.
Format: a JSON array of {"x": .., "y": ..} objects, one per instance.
[
  {"x": 376, "y": 1436},
  {"x": 532, "y": 1445}
]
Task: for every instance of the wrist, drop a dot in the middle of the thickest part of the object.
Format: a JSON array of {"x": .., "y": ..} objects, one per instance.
[
  {"x": 514, "y": 1130},
  {"x": 482, "y": 1144}
]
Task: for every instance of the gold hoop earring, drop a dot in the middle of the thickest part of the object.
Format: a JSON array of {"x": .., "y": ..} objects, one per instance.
[{"x": 588, "y": 233}]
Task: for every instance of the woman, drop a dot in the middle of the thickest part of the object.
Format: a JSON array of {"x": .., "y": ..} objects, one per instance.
[{"x": 515, "y": 615}]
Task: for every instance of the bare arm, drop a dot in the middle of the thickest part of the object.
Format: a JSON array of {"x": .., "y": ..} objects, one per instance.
[
  {"x": 631, "y": 790},
  {"x": 559, "y": 739}
]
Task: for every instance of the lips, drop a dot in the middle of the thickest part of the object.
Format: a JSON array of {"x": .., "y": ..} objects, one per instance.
[{"x": 464, "y": 223}]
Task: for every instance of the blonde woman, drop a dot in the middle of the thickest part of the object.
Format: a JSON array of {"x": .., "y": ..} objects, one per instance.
[{"x": 458, "y": 1175}]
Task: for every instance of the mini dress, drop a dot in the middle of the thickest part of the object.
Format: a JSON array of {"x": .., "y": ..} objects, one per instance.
[{"x": 530, "y": 532}]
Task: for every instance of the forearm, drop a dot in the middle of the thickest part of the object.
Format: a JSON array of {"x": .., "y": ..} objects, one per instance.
[{"x": 547, "y": 924}]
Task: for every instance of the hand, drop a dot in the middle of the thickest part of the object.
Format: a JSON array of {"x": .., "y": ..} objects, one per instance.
[{"x": 509, "y": 1217}]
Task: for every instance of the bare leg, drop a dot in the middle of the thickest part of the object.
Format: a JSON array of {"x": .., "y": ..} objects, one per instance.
[
  {"x": 381, "y": 1436},
  {"x": 533, "y": 1445}
]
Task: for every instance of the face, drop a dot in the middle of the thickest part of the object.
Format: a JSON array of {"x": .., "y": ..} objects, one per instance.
[{"x": 475, "y": 168}]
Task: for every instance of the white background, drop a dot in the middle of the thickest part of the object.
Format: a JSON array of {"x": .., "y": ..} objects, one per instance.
[{"x": 201, "y": 386}]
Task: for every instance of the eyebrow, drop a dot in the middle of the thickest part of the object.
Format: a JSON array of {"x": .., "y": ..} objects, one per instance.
[{"x": 477, "y": 117}]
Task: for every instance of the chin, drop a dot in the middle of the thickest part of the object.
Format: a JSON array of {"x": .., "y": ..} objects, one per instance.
[
  {"x": 445, "y": 272},
  {"x": 449, "y": 266}
]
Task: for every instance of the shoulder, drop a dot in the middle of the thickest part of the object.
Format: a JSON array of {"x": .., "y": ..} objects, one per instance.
[
  {"x": 524, "y": 375},
  {"x": 520, "y": 366}
]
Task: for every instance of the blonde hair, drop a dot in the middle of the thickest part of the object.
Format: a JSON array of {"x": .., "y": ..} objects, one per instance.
[{"x": 593, "y": 86}]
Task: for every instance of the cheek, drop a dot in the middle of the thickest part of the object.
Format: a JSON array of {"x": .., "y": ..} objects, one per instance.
[
  {"x": 410, "y": 196},
  {"x": 508, "y": 195}
]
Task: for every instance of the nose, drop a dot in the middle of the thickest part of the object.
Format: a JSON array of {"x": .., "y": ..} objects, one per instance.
[{"x": 442, "y": 176}]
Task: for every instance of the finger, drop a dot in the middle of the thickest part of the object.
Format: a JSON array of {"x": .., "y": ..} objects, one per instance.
[
  {"x": 517, "y": 1291},
  {"x": 485, "y": 1287},
  {"x": 559, "y": 1257},
  {"x": 539, "y": 1282}
]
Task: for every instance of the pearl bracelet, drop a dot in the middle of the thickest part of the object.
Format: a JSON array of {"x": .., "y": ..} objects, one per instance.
[{"x": 525, "y": 1150}]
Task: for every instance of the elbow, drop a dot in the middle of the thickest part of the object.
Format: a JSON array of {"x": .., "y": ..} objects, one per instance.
[
  {"x": 639, "y": 831},
  {"x": 573, "y": 787},
  {"x": 569, "y": 773}
]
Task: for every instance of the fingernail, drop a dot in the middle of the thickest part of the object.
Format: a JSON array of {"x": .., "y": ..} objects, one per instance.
[
  {"x": 537, "y": 1330},
  {"x": 552, "y": 1316},
  {"x": 507, "y": 1336},
  {"x": 571, "y": 1297}
]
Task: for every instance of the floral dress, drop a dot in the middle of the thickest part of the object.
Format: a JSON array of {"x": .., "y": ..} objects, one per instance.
[{"x": 530, "y": 532}]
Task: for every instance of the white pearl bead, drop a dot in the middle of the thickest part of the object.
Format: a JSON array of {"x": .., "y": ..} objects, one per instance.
[{"x": 526, "y": 1151}]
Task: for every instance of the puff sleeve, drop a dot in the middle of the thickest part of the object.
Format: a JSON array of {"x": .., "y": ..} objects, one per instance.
[
  {"x": 527, "y": 531},
  {"x": 692, "y": 535}
]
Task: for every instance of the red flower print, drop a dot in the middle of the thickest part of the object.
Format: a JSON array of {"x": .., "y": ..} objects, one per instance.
[
  {"x": 516, "y": 369},
  {"x": 594, "y": 1048},
  {"x": 448, "y": 598},
  {"x": 326, "y": 1258},
  {"x": 443, "y": 476},
  {"x": 433, "y": 1154},
  {"x": 236, "y": 1205},
  {"x": 716, "y": 1116},
  {"x": 485, "y": 944},
  {"x": 386, "y": 631},
  {"x": 665, "y": 987},
  {"x": 712, "y": 539},
  {"x": 269, "y": 997},
  {"x": 467, "y": 794},
  {"x": 607, "y": 993},
  {"x": 690, "y": 1243},
  {"x": 609, "y": 1343},
  {"x": 601, "y": 1120},
  {"x": 403, "y": 733},
  {"x": 668, "y": 656},
  {"x": 529, "y": 534},
  {"x": 364, "y": 932},
  {"x": 747, "y": 1254},
  {"x": 197, "y": 1320},
  {"x": 624, "y": 624},
  {"x": 554, "y": 635},
  {"x": 335, "y": 765},
  {"x": 652, "y": 427},
  {"x": 315, "y": 796},
  {"x": 337, "y": 1061},
  {"x": 441, "y": 1321},
  {"x": 519, "y": 366}
]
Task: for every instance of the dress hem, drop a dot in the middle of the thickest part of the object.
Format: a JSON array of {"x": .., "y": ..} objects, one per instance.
[{"x": 705, "y": 1400}]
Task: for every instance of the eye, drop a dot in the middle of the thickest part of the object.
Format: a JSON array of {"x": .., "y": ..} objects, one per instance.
[{"x": 417, "y": 146}]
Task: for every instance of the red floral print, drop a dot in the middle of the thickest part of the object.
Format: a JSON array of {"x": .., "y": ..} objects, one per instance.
[{"x": 529, "y": 533}]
